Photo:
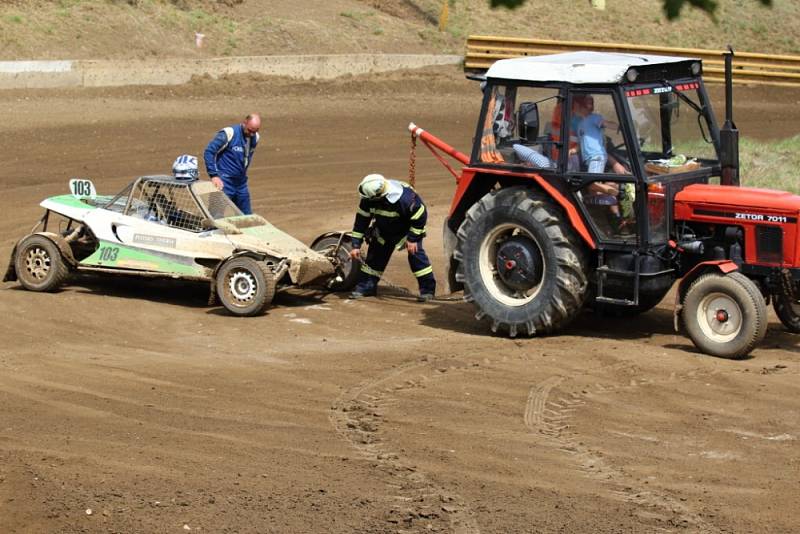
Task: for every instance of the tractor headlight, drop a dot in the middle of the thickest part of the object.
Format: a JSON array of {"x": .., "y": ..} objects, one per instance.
[
  {"x": 696, "y": 68},
  {"x": 631, "y": 75}
]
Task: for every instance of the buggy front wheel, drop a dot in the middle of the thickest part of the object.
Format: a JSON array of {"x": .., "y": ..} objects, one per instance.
[
  {"x": 346, "y": 268},
  {"x": 245, "y": 286}
]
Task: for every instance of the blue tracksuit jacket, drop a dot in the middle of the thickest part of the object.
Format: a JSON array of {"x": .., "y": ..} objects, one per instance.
[{"x": 228, "y": 156}]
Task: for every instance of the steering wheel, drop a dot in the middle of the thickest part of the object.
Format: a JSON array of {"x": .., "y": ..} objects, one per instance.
[{"x": 618, "y": 152}]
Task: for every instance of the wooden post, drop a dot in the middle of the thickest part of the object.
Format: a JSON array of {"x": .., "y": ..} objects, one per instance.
[{"x": 443, "y": 14}]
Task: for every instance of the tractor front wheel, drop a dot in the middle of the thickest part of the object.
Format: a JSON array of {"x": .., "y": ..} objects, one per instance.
[
  {"x": 520, "y": 263},
  {"x": 725, "y": 315},
  {"x": 245, "y": 286}
]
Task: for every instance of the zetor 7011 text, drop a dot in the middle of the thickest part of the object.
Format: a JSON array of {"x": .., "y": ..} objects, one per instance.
[{"x": 599, "y": 179}]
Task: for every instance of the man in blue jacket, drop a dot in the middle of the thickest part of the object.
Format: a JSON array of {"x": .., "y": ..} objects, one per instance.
[
  {"x": 228, "y": 156},
  {"x": 399, "y": 217}
]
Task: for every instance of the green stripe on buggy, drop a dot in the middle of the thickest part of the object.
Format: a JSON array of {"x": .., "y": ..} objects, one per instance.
[
  {"x": 69, "y": 201},
  {"x": 114, "y": 255}
]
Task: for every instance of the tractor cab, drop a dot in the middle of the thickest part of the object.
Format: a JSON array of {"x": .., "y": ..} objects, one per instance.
[{"x": 614, "y": 132}]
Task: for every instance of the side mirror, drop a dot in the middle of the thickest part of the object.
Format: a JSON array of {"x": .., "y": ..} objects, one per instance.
[{"x": 528, "y": 121}]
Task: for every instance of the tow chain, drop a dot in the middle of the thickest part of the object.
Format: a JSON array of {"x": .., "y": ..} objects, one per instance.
[{"x": 412, "y": 161}]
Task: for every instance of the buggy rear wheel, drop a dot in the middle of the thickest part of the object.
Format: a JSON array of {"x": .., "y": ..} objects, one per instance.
[
  {"x": 39, "y": 264},
  {"x": 725, "y": 315},
  {"x": 346, "y": 268},
  {"x": 245, "y": 286}
]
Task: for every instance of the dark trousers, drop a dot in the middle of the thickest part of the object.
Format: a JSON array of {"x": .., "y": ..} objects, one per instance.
[
  {"x": 378, "y": 255},
  {"x": 237, "y": 191}
]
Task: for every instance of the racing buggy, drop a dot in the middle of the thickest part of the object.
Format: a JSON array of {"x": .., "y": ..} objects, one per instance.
[
  {"x": 165, "y": 227},
  {"x": 598, "y": 180}
]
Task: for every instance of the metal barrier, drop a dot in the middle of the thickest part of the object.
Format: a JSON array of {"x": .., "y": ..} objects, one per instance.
[{"x": 748, "y": 67}]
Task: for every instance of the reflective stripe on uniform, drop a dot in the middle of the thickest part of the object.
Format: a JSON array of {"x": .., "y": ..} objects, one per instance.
[
  {"x": 384, "y": 213},
  {"x": 366, "y": 269},
  {"x": 356, "y": 235},
  {"x": 417, "y": 231},
  {"x": 418, "y": 213},
  {"x": 423, "y": 272},
  {"x": 401, "y": 244},
  {"x": 380, "y": 240},
  {"x": 362, "y": 212}
]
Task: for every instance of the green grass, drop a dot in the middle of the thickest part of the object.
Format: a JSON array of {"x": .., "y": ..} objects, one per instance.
[{"x": 771, "y": 165}]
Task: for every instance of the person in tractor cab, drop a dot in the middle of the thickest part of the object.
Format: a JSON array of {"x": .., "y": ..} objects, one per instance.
[
  {"x": 398, "y": 216},
  {"x": 589, "y": 129}
]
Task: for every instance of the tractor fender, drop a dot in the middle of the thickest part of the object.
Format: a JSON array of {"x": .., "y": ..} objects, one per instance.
[
  {"x": 63, "y": 247},
  {"x": 469, "y": 174},
  {"x": 722, "y": 266}
]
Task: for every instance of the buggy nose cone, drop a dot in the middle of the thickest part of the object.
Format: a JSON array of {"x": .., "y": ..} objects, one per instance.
[{"x": 311, "y": 270}]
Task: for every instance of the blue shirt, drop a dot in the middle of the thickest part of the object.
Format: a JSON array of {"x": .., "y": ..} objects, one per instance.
[
  {"x": 590, "y": 133},
  {"x": 229, "y": 154}
]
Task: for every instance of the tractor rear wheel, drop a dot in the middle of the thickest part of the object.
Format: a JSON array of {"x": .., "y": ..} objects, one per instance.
[
  {"x": 787, "y": 308},
  {"x": 39, "y": 264},
  {"x": 245, "y": 286},
  {"x": 520, "y": 263},
  {"x": 725, "y": 315}
]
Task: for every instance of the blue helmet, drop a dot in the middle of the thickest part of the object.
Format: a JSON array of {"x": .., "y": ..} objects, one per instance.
[{"x": 185, "y": 167}]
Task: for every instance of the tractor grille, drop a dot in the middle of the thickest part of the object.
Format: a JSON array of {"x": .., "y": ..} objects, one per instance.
[{"x": 769, "y": 244}]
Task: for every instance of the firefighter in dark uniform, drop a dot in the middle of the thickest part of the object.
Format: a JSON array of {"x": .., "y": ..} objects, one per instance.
[{"x": 399, "y": 217}]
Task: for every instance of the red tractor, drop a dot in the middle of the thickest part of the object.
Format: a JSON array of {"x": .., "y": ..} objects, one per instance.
[{"x": 590, "y": 184}]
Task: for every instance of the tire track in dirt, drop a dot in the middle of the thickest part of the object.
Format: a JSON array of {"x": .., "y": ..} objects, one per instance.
[
  {"x": 356, "y": 415},
  {"x": 548, "y": 411}
]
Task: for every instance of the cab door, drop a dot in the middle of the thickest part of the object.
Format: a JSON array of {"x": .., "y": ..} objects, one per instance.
[{"x": 599, "y": 165}]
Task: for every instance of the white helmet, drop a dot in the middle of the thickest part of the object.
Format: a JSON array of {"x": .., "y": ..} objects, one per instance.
[
  {"x": 185, "y": 167},
  {"x": 373, "y": 186}
]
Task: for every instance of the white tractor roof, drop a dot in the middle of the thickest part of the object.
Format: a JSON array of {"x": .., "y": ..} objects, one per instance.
[{"x": 575, "y": 67}]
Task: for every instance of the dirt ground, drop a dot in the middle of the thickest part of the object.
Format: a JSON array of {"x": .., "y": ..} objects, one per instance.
[{"x": 131, "y": 406}]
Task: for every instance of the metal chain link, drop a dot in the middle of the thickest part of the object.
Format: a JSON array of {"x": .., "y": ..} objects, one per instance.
[{"x": 412, "y": 161}]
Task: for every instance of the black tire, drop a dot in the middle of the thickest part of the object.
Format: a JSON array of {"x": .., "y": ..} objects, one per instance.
[
  {"x": 549, "y": 287},
  {"x": 346, "y": 268},
  {"x": 788, "y": 310},
  {"x": 39, "y": 264},
  {"x": 725, "y": 315},
  {"x": 245, "y": 286}
]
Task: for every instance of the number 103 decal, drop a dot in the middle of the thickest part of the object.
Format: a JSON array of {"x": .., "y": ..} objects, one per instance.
[
  {"x": 108, "y": 253},
  {"x": 82, "y": 188}
]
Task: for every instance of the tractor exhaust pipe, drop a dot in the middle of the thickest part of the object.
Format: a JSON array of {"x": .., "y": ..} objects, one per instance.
[{"x": 729, "y": 135}]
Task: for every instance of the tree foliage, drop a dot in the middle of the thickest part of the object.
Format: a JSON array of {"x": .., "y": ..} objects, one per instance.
[{"x": 672, "y": 8}]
